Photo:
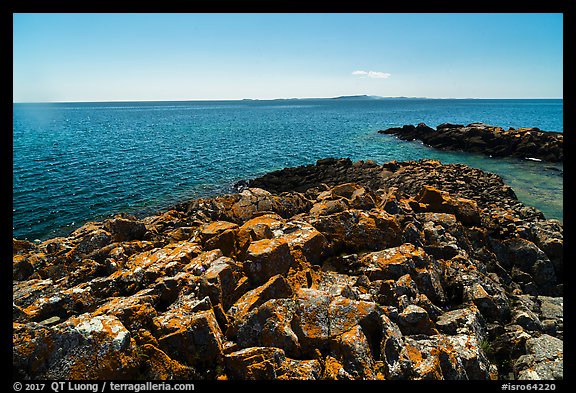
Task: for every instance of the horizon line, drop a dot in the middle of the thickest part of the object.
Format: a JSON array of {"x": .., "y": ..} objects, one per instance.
[{"x": 289, "y": 98}]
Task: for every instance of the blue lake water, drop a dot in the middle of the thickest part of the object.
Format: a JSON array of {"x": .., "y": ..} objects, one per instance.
[{"x": 79, "y": 162}]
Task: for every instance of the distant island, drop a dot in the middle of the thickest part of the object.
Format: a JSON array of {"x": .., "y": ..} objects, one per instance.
[
  {"x": 358, "y": 97},
  {"x": 367, "y": 97}
]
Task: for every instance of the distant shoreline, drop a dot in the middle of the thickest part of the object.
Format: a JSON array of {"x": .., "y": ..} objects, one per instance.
[{"x": 350, "y": 97}]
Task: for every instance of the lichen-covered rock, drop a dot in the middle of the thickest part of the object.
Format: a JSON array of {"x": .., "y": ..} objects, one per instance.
[
  {"x": 353, "y": 348},
  {"x": 24, "y": 293},
  {"x": 145, "y": 268},
  {"x": 486, "y": 139},
  {"x": 62, "y": 303},
  {"x": 393, "y": 263},
  {"x": 276, "y": 288},
  {"x": 220, "y": 282},
  {"x": 406, "y": 270},
  {"x": 226, "y": 237},
  {"x": 462, "y": 321},
  {"x": 468, "y": 350},
  {"x": 262, "y": 227},
  {"x": 393, "y": 352},
  {"x": 328, "y": 207},
  {"x": 255, "y": 363},
  {"x": 321, "y": 317},
  {"x": 435, "y": 200},
  {"x": 301, "y": 370},
  {"x": 270, "y": 325},
  {"x": 195, "y": 340},
  {"x": 415, "y": 320},
  {"x": 84, "y": 347},
  {"x": 124, "y": 229},
  {"x": 438, "y": 357},
  {"x": 358, "y": 230},
  {"x": 524, "y": 313},
  {"x": 334, "y": 370},
  {"x": 266, "y": 258},
  {"x": 306, "y": 243},
  {"x": 530, "y": 259},
  {"x": 135, "y": 312},
  {"x": 551, "y": 314},
  {"x": 159, "y": 366}
]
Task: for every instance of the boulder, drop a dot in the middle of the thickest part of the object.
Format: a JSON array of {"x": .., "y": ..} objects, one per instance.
[
  {"x": 544, "y": 359},
  {"x": 334, "y": 370},
  {"x": 135, "y": 312},
  {"x": 415, "y": 320},
  {"x": 321, "y": 317},
  {"x": 220, "y": 282},
  {"x": 551, "y": 314},
  {"x": 356, "y": 230},
  {"x": 159, "y": 366},
  {"x": 468, "y": 349},
  {"x": 434, "y": 200},
  {"x": 255, "y": 363},
  {"x": 395, "y": 262},
  {"x": 266, "y": 258},
  {"x": 62, "y": 303},
  {"x": 441, "y": 357},
  {"x": 270, "y": 325},
  {"x": 530, "y": 259},
  {"x": 328, "y": 207},
  {"x": 276, "y": 288},
  {"x": 467, "y": 321},
  {"x": 353, "y": 348},
  {"x": 123, "y": 229},
  {"x": 83, "y": 347},
  {"x": 307, "y": 244},
  {"x": 262, "y": 227},
  {"x": 195, "y": 340},
  {"x": 224, "y": 236},
  {"x": 301, "y": 370}
]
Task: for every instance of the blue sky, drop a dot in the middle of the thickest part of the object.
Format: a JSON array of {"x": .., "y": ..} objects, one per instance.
[{"x": 125, "y": 57}]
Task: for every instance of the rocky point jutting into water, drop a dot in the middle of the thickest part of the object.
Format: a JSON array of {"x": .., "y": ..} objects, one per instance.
[
  {"x": 339, "y": 270},
  {"x": 490, "y": 140}
]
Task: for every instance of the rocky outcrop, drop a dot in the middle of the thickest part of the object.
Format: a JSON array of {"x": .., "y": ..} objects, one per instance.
[
  {"x": 482, "y": 138},
  {"x": 408, "y": 270}
]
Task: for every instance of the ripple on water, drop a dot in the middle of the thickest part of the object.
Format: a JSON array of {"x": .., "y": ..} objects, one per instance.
[{"x": 78, "y": 162}]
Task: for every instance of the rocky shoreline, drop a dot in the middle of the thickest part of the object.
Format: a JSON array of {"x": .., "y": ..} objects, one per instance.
[
  {"x": 335, "y": 271},
  {"x": 527, "y": 143}
]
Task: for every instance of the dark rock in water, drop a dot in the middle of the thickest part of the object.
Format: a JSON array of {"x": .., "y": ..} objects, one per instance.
[
  {"x": 528, "y": 143},
  {"x": 326, "y": 172},
  {"x": 339, "y": 270}
]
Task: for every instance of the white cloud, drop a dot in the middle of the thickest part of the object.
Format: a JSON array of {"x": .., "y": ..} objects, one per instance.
[{"x": 372, "y": 74}]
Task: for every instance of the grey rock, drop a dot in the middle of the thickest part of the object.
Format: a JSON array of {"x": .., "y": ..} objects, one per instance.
[
  {"x": 544, "y": 359},
  {"x": 415, "y": 320},
  {"x": 462, "y": 321}
]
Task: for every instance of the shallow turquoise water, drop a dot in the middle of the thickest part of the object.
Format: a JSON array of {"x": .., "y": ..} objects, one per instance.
[{"x": 77, "y": 162}]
